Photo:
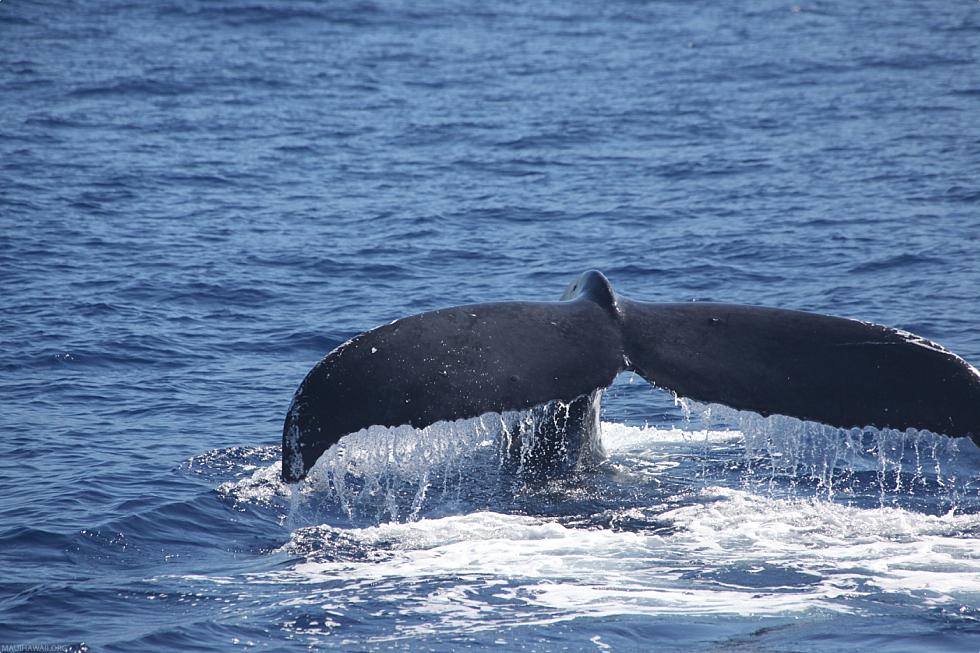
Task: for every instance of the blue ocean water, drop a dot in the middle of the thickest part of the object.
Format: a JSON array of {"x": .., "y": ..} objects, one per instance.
[{"x": 198, "y": 199}]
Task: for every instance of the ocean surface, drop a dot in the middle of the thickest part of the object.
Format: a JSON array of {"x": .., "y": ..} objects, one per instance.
[{"x": 199, "y": 199}]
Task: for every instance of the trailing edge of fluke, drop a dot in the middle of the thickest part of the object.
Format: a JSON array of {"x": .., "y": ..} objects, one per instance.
[{"x": 465, "y": 361}]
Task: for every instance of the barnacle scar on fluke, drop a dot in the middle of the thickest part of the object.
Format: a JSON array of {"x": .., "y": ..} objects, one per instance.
[{"x": 466, "y": 361}]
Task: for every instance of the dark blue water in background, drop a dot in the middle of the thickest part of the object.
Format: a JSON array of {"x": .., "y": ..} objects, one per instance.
[{"x": 199, "y": 199}]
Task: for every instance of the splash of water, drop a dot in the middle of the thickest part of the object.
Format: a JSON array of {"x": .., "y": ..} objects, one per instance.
[
  {"x": 784, "y": 453},
  {"x": 399, "y": 473},
  {"x": 402, "y": 474}
]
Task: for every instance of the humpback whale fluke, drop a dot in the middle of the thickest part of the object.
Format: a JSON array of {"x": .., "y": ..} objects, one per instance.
[{"x": 465, "y": 361}]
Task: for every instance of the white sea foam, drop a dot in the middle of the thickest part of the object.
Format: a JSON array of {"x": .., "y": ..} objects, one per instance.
[
  {"x": 732, "y": 553},
  {"x": 936, "y": 557},
  {"x": 263, "y": 486},
  {"x": 622, "y": 437}
]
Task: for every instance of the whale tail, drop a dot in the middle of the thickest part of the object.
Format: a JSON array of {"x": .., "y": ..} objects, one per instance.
[{"x": 465, "y": 361}]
